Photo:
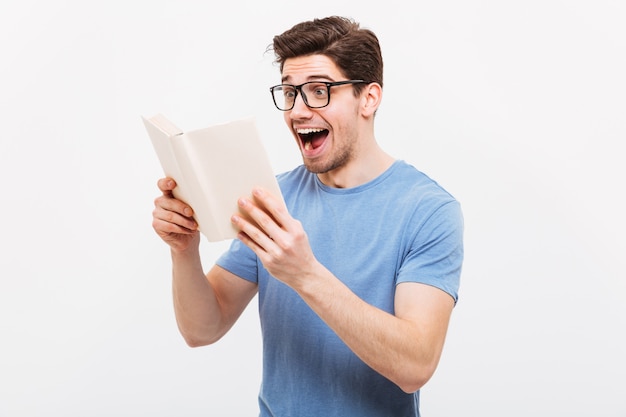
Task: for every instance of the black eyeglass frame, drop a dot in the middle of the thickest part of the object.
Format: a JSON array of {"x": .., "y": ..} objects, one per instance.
[{"x": 298, "y": 89}]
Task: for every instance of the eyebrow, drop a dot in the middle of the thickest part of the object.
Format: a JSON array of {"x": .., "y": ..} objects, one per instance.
[{"x": 318, "y": 77}]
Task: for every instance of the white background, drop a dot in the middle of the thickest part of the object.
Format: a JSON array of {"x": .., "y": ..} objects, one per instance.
[{"x": 517, "y": 108}]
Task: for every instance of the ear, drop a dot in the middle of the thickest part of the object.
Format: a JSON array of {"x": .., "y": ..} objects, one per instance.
[{"x": 371, "y": 97}]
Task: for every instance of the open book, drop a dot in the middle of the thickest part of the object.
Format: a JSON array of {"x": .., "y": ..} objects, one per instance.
[{"x": 212, "y": 168}]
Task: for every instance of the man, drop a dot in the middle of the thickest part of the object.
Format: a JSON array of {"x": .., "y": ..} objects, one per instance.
[{"x": 357, "y": 274}]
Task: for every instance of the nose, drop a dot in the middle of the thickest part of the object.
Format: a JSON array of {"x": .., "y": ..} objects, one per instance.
[{"x": 300, "y": 110}]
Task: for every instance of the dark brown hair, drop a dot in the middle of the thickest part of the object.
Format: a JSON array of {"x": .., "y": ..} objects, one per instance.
[{"x": 353, "y": 49}]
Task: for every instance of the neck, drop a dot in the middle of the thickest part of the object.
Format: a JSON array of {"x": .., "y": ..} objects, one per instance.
[{"x": 361, "y": 169}]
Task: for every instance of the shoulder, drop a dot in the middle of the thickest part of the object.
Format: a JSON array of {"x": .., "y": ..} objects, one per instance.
[
  {"x": 425, "y": 207},
  {"x": 417, "y": 188}
]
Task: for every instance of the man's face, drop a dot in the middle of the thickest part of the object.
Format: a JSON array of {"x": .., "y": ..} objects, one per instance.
[{"x": 327, "y": 136}]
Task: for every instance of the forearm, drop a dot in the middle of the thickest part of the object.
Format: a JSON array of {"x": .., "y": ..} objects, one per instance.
[
  {"x": 394, "y": 347},
  {"x": 195, "y": 304},
  {"x": 404, "y": 347}
]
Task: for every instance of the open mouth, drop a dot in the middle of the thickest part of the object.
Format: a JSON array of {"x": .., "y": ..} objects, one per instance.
[{"x": 312, "y": 138}]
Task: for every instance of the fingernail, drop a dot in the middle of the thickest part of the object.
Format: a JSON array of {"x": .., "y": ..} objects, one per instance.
[{"x": 187, "y": 211}]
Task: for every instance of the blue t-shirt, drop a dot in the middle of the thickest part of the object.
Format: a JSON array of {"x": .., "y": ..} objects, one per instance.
[{"x": 400, "y": 227}]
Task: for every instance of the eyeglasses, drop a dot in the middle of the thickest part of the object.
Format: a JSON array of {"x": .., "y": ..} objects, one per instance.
[{"x": 315, "y": 94}]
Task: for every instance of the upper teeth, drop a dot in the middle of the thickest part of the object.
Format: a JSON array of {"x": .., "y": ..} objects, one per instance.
[{"x": 307, "y": 131}]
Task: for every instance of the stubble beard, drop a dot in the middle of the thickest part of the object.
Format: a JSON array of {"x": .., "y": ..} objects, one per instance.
[{"x": 341, "y": 158}]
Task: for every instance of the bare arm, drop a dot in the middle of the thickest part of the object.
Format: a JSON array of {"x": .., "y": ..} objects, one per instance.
[
  {"x": 206, "y": 307},
  {"x": 405, "y": 347}
]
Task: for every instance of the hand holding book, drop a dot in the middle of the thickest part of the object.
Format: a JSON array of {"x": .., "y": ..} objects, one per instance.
[
  {"x": 172, "y": 219},
  {"x": 212, "y": 168}
]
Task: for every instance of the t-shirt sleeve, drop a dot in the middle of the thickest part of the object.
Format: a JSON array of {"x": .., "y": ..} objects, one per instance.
[
  {"x": 435, "y": 256},
  {"x": 240, "y": 260}
]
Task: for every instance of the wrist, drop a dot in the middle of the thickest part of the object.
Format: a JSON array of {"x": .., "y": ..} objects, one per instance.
[{"x": 185, "y": 254}]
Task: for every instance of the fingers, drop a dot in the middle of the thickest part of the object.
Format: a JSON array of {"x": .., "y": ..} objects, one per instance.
[
  {"x": 166, "y": 185},
  {"x": 170, "y": 203},
  {"x": 168, "y": 229},
  {"x": 171, "y": 215},
  {"x": 254, "y": 238},
  {"x": 268, "y": 218},
  {"x": 276, "y": 238},
  {"x": 168, "y": 220},
  {"x": 258, "y": 225},
  {"x": 272, "y": 206}
]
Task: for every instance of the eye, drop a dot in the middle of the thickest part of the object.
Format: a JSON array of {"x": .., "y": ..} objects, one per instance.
[
  {"x": 289, "y": 92},
  {"x": 319, "y": 90}
]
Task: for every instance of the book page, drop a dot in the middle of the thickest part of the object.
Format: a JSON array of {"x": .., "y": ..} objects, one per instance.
[{"x": 232, "y": 160}]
